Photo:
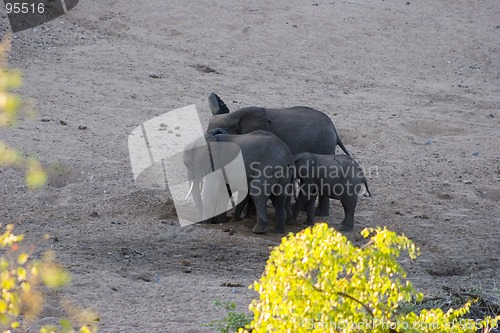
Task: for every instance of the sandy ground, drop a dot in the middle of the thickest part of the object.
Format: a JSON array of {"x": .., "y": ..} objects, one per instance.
[{"x": 413, "y": 88}]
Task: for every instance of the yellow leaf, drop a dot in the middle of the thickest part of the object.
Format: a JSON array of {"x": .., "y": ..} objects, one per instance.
[
  {"x": 54, "y": 276},
  {"x": 85, "y": 329},
  {"x": 22, "y": 259},
  {"x": 21, "y": 273},
  {"x": 35, "y": 178}
]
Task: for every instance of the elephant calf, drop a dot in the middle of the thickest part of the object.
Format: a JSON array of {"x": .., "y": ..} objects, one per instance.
[{"x": 334, "y": 176}]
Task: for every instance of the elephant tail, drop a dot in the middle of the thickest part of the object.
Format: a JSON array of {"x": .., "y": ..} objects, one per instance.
[
  {"x": 341, "y": 145},
  {"x": 367, "y": 189}
]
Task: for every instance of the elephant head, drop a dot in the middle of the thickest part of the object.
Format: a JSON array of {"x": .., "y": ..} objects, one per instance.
[
  {"x": 207, "y": 161},
  {"x": 304, "y": 170},
  {"x": 241, "y": 121}
]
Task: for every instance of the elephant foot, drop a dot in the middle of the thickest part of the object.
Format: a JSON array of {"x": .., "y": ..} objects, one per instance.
[
  {"x": 279, "y": 230},
  {"x": 345, "y": 227},
  {"x": 236, "y": 218},
  {"x": 322, "y": 211},
  {"x": 260, "y": 228}
]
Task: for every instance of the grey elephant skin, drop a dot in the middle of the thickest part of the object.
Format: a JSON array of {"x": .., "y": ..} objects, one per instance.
[
  {"x": 268, "y": 165},
  {"x": 335, "y": 176},
  {"x": 301, "y": 128}
]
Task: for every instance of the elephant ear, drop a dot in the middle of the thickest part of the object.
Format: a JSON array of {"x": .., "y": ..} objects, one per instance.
[
  {"x": 217, "y": 106},
  {"x": 303, "y": 161},
  {"x": 253, "y": 119}
]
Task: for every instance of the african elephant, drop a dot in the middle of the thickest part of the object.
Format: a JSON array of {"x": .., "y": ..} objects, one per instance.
[
  {"x": 266, "y": 173},
  {"x": 335, "y": 176},
  {"x": 301, "y": 128}
]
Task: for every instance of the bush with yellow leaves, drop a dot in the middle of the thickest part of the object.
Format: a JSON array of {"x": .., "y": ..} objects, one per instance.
[
  {"x": 9, "y": 105},
  {"x": 20, "y": 280},
  {"x": 21, "y": 277},
  {"x": 318, "y": 281}
]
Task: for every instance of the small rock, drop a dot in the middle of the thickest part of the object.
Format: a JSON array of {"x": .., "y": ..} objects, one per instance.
[
  {"x": 445, "y": 196},
  {"x": 177, "y": 134},
  {"x": 398, "y": 213},
  {"x": 491, "y": 115},
  {"x": 186, "y": 263},
  {"x": 56, "y": 239},
  {"x": 82, "y": 127},
  {"x": 63, "y": 122},
  {"x": 145, "y": 278},
  {"x": 205, "y": 69},
  {"x": 231, "y": 232},
  {"x": 231, "y": 285},
  {"x": 177, "y": 127},
  {"x": 94, "y": 214},
  {"x": 468, "y": 182},
  {"x": 186, "y": 270},
  {"x": 154, "y": 75},
  {"x": 45, "y": 119},
  {"x": 429, "y": 142}
]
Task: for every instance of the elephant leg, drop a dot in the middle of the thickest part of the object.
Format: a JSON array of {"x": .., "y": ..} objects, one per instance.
[
  {"x": 323, "y": 208},
  {"x": 260, "y": 205},
  {"x": 288, "y": 210},
  {"x": 250, "y": 209},
  {"x": 238, "y": 210},
  {"x": 349, "y": 203},
  {"x": 221, "y": 218},
  {"x": 299, "y": 205},
  {"x": 310, "y": 210},
  {"x": 279, "y": 203}
]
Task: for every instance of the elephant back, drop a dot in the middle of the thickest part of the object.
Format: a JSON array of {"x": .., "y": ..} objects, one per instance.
[{"x": 304, "y": 129}]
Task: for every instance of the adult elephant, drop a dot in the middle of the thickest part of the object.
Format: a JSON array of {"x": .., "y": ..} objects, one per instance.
[
  {"x": 265, "y": 172},
  {"x": 301, "y": 128}
]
